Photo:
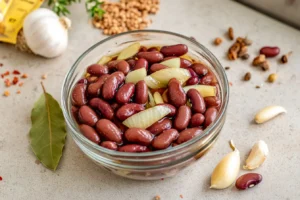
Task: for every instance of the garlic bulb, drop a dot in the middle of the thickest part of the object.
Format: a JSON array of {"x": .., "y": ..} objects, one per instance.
[
  {"x": 227, "y": 170},
  {"x": 45, "y": 33}
]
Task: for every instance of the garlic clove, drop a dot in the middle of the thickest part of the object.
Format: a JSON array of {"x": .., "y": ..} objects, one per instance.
[
  {"x": 257, "y": 155},
  {"x": 268, "y": 113},
  {"x": 129, "y": 51},
  {"x": 226, "y": 172},
  {"x": 104, "y": 60}
]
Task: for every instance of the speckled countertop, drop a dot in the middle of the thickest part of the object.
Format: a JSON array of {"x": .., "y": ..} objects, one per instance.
[{"x": 79, "y": 178}]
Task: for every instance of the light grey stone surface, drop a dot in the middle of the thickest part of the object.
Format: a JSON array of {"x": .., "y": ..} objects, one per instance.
[{"x": 78, "y": 178}]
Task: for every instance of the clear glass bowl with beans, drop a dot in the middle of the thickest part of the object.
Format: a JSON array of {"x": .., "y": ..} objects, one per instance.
[{"x": 145, "y": 104}]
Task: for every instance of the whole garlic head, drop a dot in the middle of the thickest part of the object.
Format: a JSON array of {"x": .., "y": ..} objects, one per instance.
[{"x": 45, "y": 33}]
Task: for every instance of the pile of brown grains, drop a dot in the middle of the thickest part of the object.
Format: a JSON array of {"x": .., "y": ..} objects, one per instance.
[
  {"x": 126, "y": 15},
  {"x": 239, "y": 49}
]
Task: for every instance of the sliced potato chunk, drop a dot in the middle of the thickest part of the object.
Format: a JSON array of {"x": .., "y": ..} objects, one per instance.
[
  {"x": 129, "y": 51},
  {"x": 163, "y": 76},
  {"x": 173, "y": 62},
  {"x": 136, "y": 75},
  {"x": 205, "y": 90},
  {"x": 146, "y": 118},
  {"x": 158, "y": 98},
  {"x": 152, "y": 83},
  {"x": 104, "y": 60}
]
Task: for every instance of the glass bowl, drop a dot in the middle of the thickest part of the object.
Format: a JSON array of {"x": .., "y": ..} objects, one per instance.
[{"x": 156, "y": 164}]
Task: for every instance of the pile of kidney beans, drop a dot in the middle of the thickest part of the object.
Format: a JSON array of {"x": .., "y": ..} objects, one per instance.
[{"x": 102, "y": 101}]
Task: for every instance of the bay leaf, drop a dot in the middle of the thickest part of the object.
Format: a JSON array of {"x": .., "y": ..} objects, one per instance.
[{"x": 48, "y": 131}]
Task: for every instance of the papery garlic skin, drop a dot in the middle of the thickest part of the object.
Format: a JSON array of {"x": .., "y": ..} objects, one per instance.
[
  {"x": 268, "y": 113},
  {"x": 226, "y": 172},
  {"x": 257, "y": 156},
  {"x": 45, "y": 33}
]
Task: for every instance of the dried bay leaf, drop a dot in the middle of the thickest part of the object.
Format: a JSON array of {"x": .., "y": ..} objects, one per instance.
[{"x": 48, "y": 131}]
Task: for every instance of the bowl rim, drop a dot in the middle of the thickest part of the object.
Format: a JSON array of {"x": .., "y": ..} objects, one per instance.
[{"x": 74, "y": 128}]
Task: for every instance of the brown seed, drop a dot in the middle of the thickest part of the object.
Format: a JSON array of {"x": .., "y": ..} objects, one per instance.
[
  {"x": 230, "y": 33},
  {"x": 218, "y": 41},
  {"x": 243, "y": 51},
  {"x": 247, "y": 76},
  {"x": 227, "y": 68},
  {"x": 247, "y": 41},
  {"x": 258, "y": 86},
  {"x": 272, "y": 78},
  {"x": 284, "y": 58},
  {"x": 6, "y": 93},
  {"x": 265, "y": 65},
  {"x": 245, "y": 56},
  {"x": 259, "y": 60}
]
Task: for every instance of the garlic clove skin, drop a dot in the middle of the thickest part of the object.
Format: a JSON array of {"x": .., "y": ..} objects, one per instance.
[
  {"x": 268, "y": 113},
  {"x": 45, "y": 33},
  {"x": 226, "y": 172},
  {"x": 257, "y": 156}
]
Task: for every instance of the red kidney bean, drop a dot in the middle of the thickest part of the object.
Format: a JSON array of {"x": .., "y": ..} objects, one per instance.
[
  {"x": 160, "y": 126},
  {"x": 78, "y": 95},
  {"x": 109, "y": 145},
  {"x": 125, "y": 92},
  {"x": 89, "y": 133},
  {"x": 197, "y": 120},
  {"x": 129, "y": 109},
  {"x": 143, "y": 49},
  {"x": 119, "y": 124},
  {"x": 94, "y": 89},
  {"x": 151, "y": 57},
  {"x": 87, "y": 116},
  {"x": 182, "y": 118},
  {"x": 141, "y": 92},
  {"x": 109, "y": 130},
  {"x": 174, "y": 50},
  {"x": 176, "y": 94},
  {"x": 141, "y": 63},
  {"x": 104, "y": 107},
  {"x": 192, "y": 72},
  {"x": 248, "y": 181},
  {"x": 198, "y": 104},
  {"x": 131, "y": 63},
  {"x": 184, "y": 63},
  {"x": 164, "y": 140},
  {"x": 123, "y": 66},
  {"x": 193, "y": 81},
  {"x": 210, "y": 115},
  {"x": 139, "y": 136},
  {"x": 97, "y": 70},
  {"x": 207, "y": 79},
  {"x": 83, "y": 80},
  {"x": 133, "y": 148},
  {"x": 153, "y": 49},
  {"x": 171, "y": 107},
  {"x": 112, "y": 65},
  {"x": 115, "y": 106},
  {"x": 111, "y": 85},
  {"x": 188, "y": 134},
  {"x": 200, "y": 69},
  {"x": 212, "y": 101},
  {"x": 156, "y": 67},
  {"x": 270, "y": 51}
]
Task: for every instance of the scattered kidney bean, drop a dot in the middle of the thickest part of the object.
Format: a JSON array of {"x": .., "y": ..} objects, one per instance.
[
  {"x": 184, "y": 63},
  {"x": 111, "y": 85},
  {"x": 87, "y": 116},
  {"x": 200, "y": 69},
  {"x": 125, "y": 92},
  {"x": 212, "y": 101},
  {"x": 156, "y": 67},
  {"x": 90, "y": 133},
  {"x": 210, "y": 115},
  {"x": 270, "y": 51},
  {"x": 129, "y": 109},
  {"x": 171, "y": 107},
  {"x": 97, "y": 70},
  {"x": 141, "y": 92},
  {"x": 123, "y": 66},
  {"x": 109, "y": 145},
  {"x": 193, "y": 81},
  {"x": 138, "y": 135},
  {"x": 188, "y": 134},
  {"x": 151, "y": 57},
  {"x": 182, "y": 118},
  {"x": 94, "y": 89},
  {"x": 248, "y": 181},
  {"x": 112, "y": 65},
  {"x": 141, "y": 63},
  {"x": 109, "y": 130},
  {"x": 198, "y": 104},
  {"x": 197, "y": 120},
  {"x": 133, "y": 148},
  {"x": 174, "y": 50},
  {"x": 176, "y": 95},
  {"x": 160, "y": 126},
  {"x": 164, "y": 140},
  {"x": 78, "y": 95},
  {"x": 207, "y": 79},
  {"x": 104, "y": 107}
]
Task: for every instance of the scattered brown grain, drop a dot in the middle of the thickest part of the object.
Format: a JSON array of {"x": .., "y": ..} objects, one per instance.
[
  {"x": 245, "y": 56},
  {"x": 157, "y": 197},
  {"x": 1, "y": 64},
  {"x": 247, "y": 76},
  {"x": 44, "y": 76},
  {"x": 181, "y": 196},
  {"x": 15, "y": 80},
  {"x": 227, "y": 68},
  {"x": 243, "y": 51},
  {"x": 5, "y": 74},
  {"x": 284, "y": 58},
  {"x": 16, "y": 72},
  {"x": 21, "y": 84},
  {"x": 218, "y": 41},
  {"x": 18, "y": 92},
  {"x": 258, "y": 86},
  {"x": 230, "y": 33},
  {"x": 272, "y": 78},
  {"x": 24, "y": 76},
  {"x": 259, "y": 60},
  {"x": 6, "y": 93},
  {"x": 265, "y": 65}
]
